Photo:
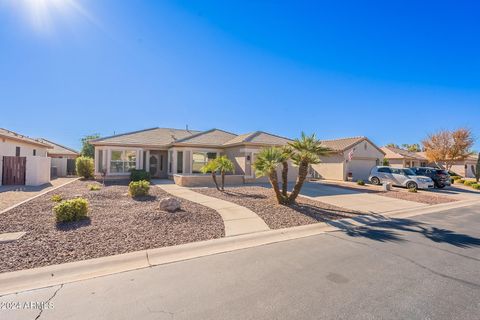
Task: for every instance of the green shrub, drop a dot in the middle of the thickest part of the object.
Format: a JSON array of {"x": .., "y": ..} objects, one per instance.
[
  {"x": 56, "y": 198},
  {"x": 461, "y": 181},
  {"x": 456, "y": 177},
  {"x": 468, "y": 182},
  {"x": 138, "y": 188},
  {"x": 71, "y": 210},
  {"x": 85, "y": 167},
  {"x": 137, "y": 175},
  {"x": 476, "y": 186},
  {"x": 360, "y": 182},
  {"x": 94, "y": 187},
  {"x": 414, "y": 190}
]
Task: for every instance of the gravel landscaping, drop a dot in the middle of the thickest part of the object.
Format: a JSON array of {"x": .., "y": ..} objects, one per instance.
[
  {"x": 117, "y": 224},
  {"x": 262, "y": 201}
]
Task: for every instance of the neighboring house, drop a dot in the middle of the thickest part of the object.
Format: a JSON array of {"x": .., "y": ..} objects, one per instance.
[
  {"x": 465, "y": 168},
  {"x": 351, "y": 159},
  {"x": 179, "y": 154},
  {"x": 63, "y": 158},
  {"x": 400, "y": 158},
  {"x": 23, "y": 160}
]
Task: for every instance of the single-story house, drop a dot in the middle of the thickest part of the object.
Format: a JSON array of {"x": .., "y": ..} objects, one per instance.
[
  {"x": 179, "y": 154},
  {"x": 400, "y": 158},
  {"x": 23, "y": 160},
  {"x": 63, "y": 159},
  {"x": 351, "y": 159},
  {"x": 464, "y": 168}
]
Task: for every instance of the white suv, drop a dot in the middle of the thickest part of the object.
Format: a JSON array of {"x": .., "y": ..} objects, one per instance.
[{"x": 403, "y": 177}]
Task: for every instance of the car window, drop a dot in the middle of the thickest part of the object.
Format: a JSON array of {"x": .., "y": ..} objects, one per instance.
[
  {"x": 408, "y": 172},
  {"x": 396, "y": 171},
  {"x": 441, "y": 172},
  {"x": 385, "y": 170}
]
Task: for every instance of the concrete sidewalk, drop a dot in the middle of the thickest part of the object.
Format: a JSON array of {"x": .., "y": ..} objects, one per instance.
[
  {"x": 357, "y": 200},
  {"x": 237, "y": 219}
]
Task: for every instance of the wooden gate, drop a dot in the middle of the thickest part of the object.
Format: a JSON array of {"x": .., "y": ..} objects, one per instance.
[{"x": 14, "y": 170}]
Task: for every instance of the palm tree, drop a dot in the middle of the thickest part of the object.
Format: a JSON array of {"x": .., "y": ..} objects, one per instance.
[
  {"x": 211, "y": 167},
  {"x": 266, "y": 164},
  {"x": 286, "y": 155},
  {"x": 224, "y": 165},
  {"x": 306, "y": 151}
]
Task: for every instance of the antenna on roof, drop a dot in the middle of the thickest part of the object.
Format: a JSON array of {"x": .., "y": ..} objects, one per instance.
[{"x": 186, "y": 127}]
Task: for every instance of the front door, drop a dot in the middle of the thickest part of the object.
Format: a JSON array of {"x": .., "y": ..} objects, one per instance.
[
  {"x": 154, "y": 161},
  {"x": 158, "y": 164}
]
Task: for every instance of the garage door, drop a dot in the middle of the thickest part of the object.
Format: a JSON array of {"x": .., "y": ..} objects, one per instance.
[{"x": 360, "y": 169}]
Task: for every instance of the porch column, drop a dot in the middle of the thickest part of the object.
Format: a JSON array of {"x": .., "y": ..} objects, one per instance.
[{"x": 147, "y": 161}]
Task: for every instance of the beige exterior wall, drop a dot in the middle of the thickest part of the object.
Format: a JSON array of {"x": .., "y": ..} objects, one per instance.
[
  {"x": 396, "y": 163},
  {"x": 38, "y": 171},
  {"x": 466, "y": 172},
  {"x": 238, "y": 158},
  {"x": 205, "y": 180},
  {"x": 61, "y": 165},
  {"x": 331, "y": 168},
  {"x": 8, "y": 148}
]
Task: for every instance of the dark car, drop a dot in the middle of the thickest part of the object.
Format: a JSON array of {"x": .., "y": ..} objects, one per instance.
[{"x": 440, "y": 177}]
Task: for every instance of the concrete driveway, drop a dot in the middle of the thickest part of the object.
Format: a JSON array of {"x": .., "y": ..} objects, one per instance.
[{"x": 356, "y": 200}]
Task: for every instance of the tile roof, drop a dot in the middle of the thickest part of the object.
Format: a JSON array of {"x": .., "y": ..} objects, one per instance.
[
  {"x": 343, "y": 143},
  {"x": 59, "y": 149},
  {"x": 397, "y": 153},
  {"x": 16, "y": 136},
  {"x": 154, "y": 137},
  {"x": 258, "y": 137},
  {"x": 472, "y": 157},
  {"x": 213, "y": 137}
]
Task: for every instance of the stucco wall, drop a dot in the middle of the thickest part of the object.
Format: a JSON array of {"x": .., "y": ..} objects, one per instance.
[
  {"x": 61, "y": 165},
  {"x": 205, "y": 180},
  {"x": 38, "y": 171},
  {"x": 237, "y": 157},
  {"x": 330, "y": 168}
]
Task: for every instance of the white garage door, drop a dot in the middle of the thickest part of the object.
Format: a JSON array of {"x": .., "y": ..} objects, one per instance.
[{"x": 360, "y": 169}]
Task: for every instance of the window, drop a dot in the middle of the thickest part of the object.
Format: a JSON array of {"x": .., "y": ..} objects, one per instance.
[
  {"x": 199, "y": 159},
  {"x": 34, "y": 152},
  {"x": 100, "y": 161},
  {"x": 122, "y": 161},
  {"x": 17, "y": 151},
  {"x": 384, "y": 170},
  {"x": 179, "y": 161}
]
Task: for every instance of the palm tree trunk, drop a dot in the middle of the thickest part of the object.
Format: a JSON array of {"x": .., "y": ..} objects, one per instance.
[
  {"x": 302, "y": 174},
  {"x": 223, "y": 180},
  {"x": 274, "y": 182},
  {"x": 284, "y": 178},
  {"x": 214, "y": 177}
]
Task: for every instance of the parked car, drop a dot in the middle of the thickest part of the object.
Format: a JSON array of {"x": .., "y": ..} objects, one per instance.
[
  {"x": 403, "y": 177},
  {"x": 440, "y": 177}
]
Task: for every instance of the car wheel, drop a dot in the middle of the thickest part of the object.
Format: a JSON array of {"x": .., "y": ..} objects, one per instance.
[
  {"x": 412, "y": 185},
  {"x": 440, "y": 186},
  {"x": 375, "y": 180}
]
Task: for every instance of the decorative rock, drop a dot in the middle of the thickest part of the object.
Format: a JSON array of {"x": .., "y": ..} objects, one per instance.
[{"x": 169, "y": 204}]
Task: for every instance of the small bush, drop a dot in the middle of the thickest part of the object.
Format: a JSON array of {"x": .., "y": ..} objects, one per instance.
[
  {"x": 476, "y": 186},
  {"x": 360, "y": 182},
  {"x": 56, "y": 198},
  {"x": 138, "y": 188},
  {"x": 414, "y": 190},
  {"x": 137, "y": 175},
  {"x": 468, "y": 182},
  {"x": 456, "y": 178},
  {"x": 94, "y": 187},
  {"x": 461, "y": 181},
  {"x": 71, "y": 210},
  {"x": 85, "y": 167}
]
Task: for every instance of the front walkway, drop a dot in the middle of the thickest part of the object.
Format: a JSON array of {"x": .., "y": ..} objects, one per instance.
[
  {"x": 12, "y": 195},
  {"x": 237, "y": 219},
  {"x": 356, "y": 200}
]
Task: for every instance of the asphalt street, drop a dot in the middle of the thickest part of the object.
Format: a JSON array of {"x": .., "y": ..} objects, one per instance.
[{"x": 425, "y": 267}]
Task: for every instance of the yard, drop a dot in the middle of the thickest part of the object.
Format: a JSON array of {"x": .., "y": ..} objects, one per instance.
[
  {"x": 117, "y": 224},
  {"x": 262, "y": 201}
]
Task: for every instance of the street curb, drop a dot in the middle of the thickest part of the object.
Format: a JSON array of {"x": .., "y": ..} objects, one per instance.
[
  {"x": 38, "y": 195},
  {"x": 29, "y": 279}
]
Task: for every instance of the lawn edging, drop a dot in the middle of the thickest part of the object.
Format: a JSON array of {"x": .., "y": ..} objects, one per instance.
[
  {"x": 29, "y": 279},
  {"x": 39, "y": 195}
]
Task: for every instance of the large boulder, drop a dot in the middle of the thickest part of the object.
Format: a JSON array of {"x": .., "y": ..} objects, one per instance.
[{"x": 169, "y": 204}]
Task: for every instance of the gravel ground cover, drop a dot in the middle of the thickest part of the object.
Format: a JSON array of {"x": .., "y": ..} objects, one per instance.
[
  {"x": 262, "y": 201},
  {"x": 117, "y": 224}
]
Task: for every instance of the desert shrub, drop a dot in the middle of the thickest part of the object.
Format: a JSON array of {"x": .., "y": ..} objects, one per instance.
[
  {"x": 94, "y": 187},
  {"x": 138, "y": 188},
  {"x": 360, "y": 182},
  {"x": 461, "y": 181},
  {"x": 468, "y": 182},
  {"x": 456, "y": 177},
  {"x": 137, "y": 175},
  {"x": 85, "y": 167},
  {"x": 476, "y": 186},
  {"x": 414, "y": 190},
  {"x": 71, "y": 210},
  {"x": 56, "y": 198}
]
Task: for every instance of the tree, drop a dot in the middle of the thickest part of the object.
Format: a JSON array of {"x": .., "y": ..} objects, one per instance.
[
  {"x": 221, "y": 164},
  {"x": 306, "y": 151},
  {"x": 392, "y": 145},
  {"x": 447, "y": 146},
  {"x": 88, "y": 150},
  {"x": 85, "y": 167},
  {"x": 412, "y": 147},
  {"x": 385, "y": 162},
  {"x": 286, "y": 155},
  {"x": 477, "y": 169},
  {"x": 266, "y": 164}
]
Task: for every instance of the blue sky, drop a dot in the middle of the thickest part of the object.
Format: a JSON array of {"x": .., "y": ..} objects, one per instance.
[{"x": 392, "y": 71}]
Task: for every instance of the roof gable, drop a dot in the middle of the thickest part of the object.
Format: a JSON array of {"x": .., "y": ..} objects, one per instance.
[
  {"x": 213, "y": 137},
  {"x": 258, "y": 137},
  {"x": 59, "y": 149},
  {"x": 397, "y": 153},
  {"x": 342, "y": 144}
]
